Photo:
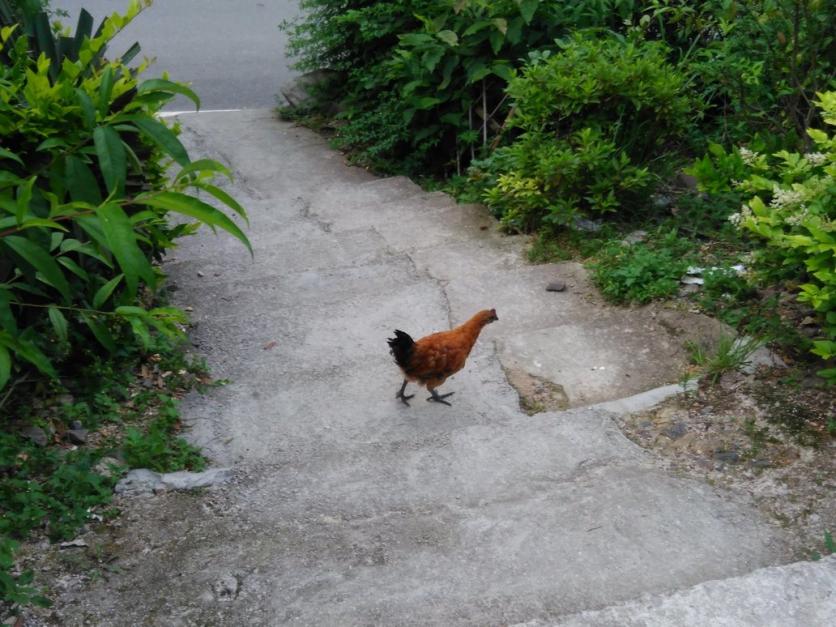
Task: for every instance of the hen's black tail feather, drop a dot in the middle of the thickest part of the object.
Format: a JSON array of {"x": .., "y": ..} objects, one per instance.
[{"x": 401, "y": 347}]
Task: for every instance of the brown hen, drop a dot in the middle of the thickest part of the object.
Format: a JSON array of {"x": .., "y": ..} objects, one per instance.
[{"x": 432, "y": 359}]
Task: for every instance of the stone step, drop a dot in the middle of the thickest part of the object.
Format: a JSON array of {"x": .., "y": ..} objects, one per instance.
[{"x": 802, "y": 594}]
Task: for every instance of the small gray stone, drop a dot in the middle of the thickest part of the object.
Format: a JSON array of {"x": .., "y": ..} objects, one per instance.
[
  {"x": 139, "y": 481},
  {"x": 77, "y": 436},
  {"x": 634, "y": 238},
  {"x": 35, "y": 435},
  {"x": 675, "y": 431},
  {"x": 588, "y": 226},
  {"x": 226, "y": 588},
  {"x": 729, "y": 457},
  {"x": 556, "y": 286}
]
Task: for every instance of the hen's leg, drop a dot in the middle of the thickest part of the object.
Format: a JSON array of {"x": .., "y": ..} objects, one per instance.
[
  {"x": 439, "y": 398},
  {"x": 400, "y": 395}
]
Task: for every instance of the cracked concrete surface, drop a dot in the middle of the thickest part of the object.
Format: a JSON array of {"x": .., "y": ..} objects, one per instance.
[{"x": 349, "y": 508}]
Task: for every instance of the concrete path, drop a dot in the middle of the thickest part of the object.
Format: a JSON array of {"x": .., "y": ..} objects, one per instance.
[{"x": 352, "y": 509}]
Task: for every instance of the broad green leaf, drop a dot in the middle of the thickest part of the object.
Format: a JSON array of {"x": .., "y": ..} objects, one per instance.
[
  {"x": 190, "y": 206},
  {"x": 105, "y": 90},
  {"x": 112, "y": 158},
  {"x": 42, "y": 261},
  {"x": 81, "y": 182},
  {"x": 87, "y": 109},
  {"x": 24, "y": 198},
  {"x": 204, "y": 166},
  {"x": 448, "y": 37},
  {"x": 59, "y": 323},
  {"x": 105, "y": 291},
  {"x": 5, "y": 366},
  {"x": 159, "y": 84},
  {"x": 476, "y": 27},
  {"x": 161, "y": 135},
  {"x": 225, "y": 198},
  {"x": 41, "y": 222},
  {"x": 28, "y": 351},
  {"x": 8, "y": 154},
  {"x": 527, "y": 9},
  {"x": 100, "y": 332},
  {"x": 52, "y": 142},
  {"x": 121, "y": 241}
]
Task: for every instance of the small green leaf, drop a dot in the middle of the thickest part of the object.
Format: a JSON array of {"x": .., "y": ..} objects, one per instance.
[
  {"x": 190, "y": 206},
  {"x": 42, "y": 261},
  {"x": 100, "y": 332},
  {"x": 73, "y": 267},
  {"x": 59, "y": 323},
  {"x": 112, "y": 158},
  {"x": 159, "y": 84},
  {"x": 105, "y": 291}
]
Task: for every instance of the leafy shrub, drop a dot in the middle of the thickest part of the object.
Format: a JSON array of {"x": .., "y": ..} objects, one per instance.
[
  {"x": 590, "y": 117},
  {"x": 642, "y": 272},
  {"x": 425, "y": 80},
  {"x": 84, "y": 198},
  {"x": 794, "y": 210}
]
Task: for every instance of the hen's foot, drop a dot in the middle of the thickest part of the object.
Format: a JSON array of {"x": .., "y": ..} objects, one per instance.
[
  {"x": 439, "y": 398},
  {"x": 404, "y": 398}
]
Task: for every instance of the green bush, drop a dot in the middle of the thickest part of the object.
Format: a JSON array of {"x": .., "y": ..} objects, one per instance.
[
  {"x": 794, "y": 210},
  {"x": 84, "y": 197},
  {"x": 592, "y": 118},
  {"x": 421, "y": 82},
  {"x": 642, "y": 272}
]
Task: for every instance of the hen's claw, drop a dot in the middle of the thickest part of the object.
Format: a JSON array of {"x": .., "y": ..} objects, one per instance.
[
  {"x": 400, "y": 394},
  {"x": 404, "y": 399},
  {"x": 439, "y": 398}
]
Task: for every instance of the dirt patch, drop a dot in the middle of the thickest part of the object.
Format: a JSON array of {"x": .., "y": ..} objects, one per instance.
[
  {"x": 537, "y": 394},
  {"x": 764, "y": 436}
]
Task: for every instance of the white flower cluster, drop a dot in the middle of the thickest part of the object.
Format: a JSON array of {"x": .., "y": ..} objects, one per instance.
[
  {"x": 744, "y": 214},
  {"x": 815, "y": 158},
  {"x": 748, "y": 156},
  {"x": 796, "y": 218},
  {"x": 785, "y": 197}
]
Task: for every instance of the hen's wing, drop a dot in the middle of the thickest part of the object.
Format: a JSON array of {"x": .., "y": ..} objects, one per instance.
[{"x": 436, "y": 357}]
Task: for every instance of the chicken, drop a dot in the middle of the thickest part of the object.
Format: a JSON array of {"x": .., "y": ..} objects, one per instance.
[{"x": 433, "y": 358}]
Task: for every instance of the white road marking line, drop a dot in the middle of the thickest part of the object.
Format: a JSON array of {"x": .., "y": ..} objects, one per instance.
[{"x": 170, "y": 114}]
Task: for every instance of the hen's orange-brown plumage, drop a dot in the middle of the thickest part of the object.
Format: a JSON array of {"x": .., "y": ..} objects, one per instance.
[{"x": 434, "y": 358}]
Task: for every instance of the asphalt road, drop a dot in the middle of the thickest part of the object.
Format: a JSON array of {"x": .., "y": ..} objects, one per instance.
[{"x": 231, "y": 51}]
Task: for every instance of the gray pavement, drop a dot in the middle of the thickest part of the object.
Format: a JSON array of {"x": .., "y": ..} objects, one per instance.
[
  {"x": 230, "y": 51},
  {"x": 349, "y": 508}
]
